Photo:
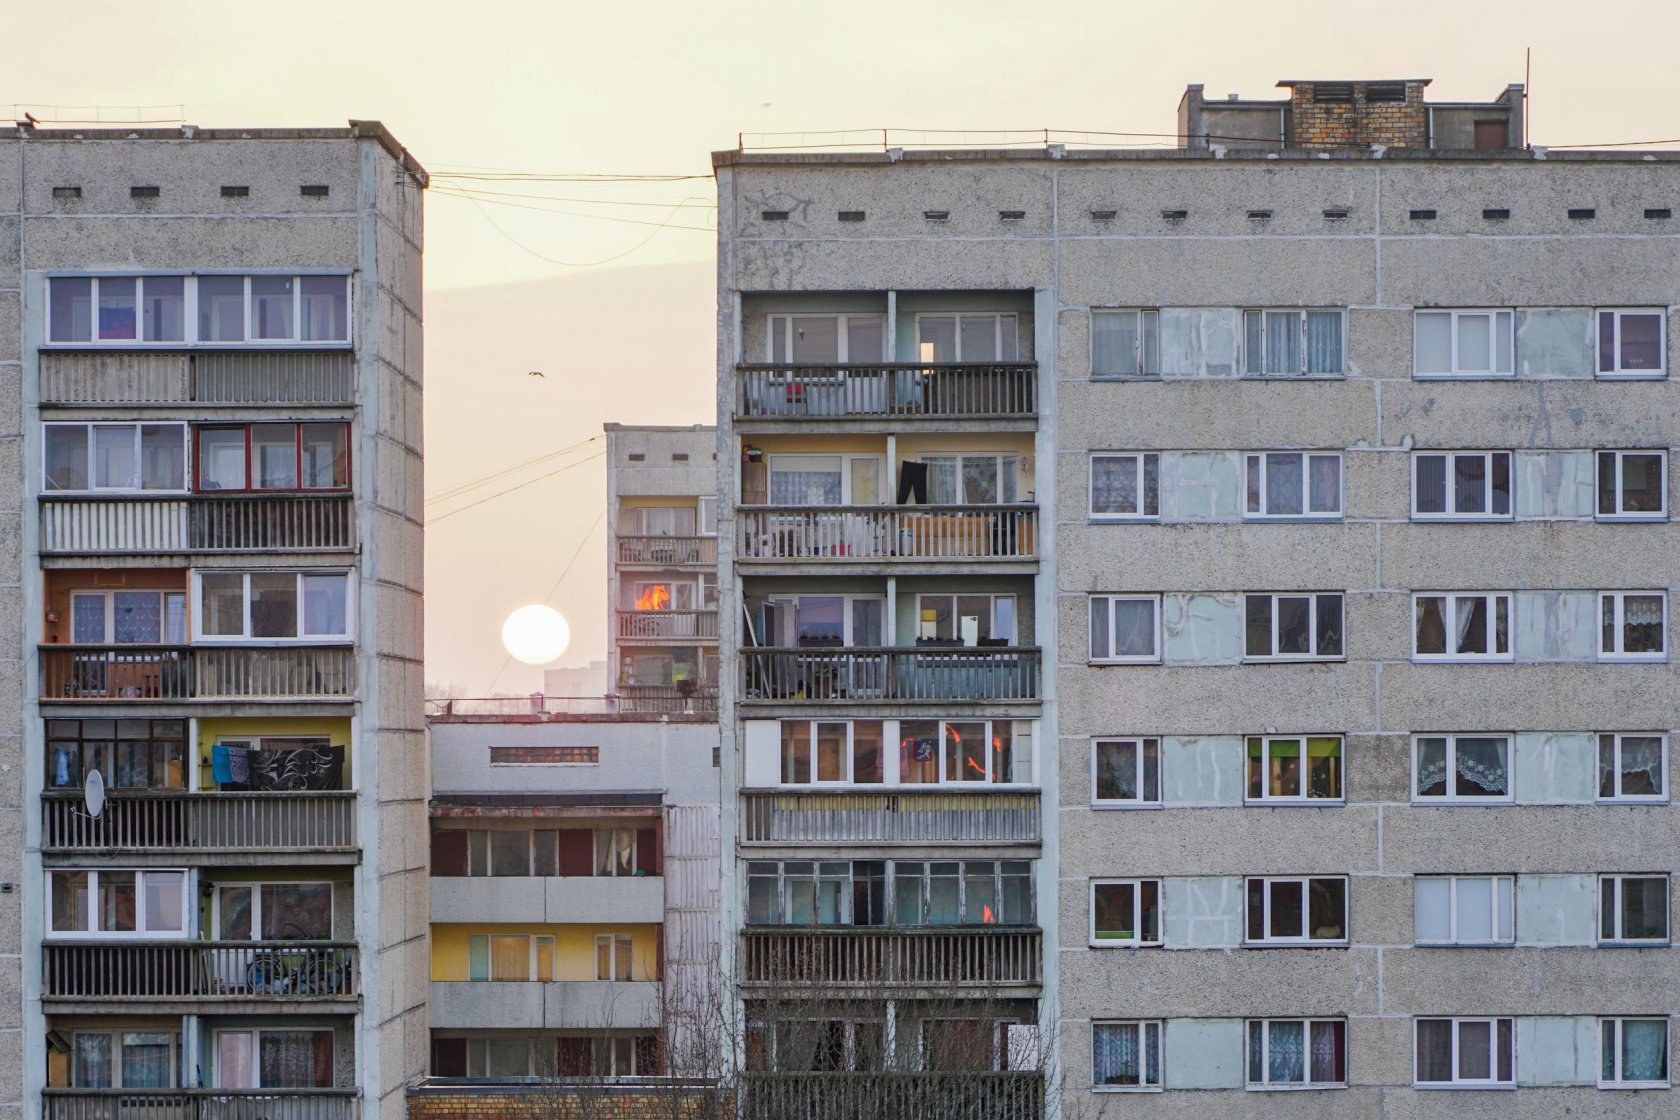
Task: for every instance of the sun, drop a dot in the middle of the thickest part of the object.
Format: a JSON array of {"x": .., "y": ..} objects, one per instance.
[{"x": 536, "y": 635}]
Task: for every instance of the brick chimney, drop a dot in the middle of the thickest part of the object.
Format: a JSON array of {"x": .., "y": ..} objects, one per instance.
[{"x": 1358, "y": 114}]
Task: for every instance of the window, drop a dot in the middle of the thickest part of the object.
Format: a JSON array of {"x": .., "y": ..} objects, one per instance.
[
  {"x": 827, "y": 339},
  {"x": 614, "y": 956},
  {"x": 1125, "y": 486},
  {"x": 1293, "y": 627},
  {"x": 1125, "y": 343},
  {"x": 839, "y": 752},
  {"x": 1294, "y": 484},
  {"x": 512, "y": 958},
  {"x": 117, "y": 904},
  {"x": 1292, "y": 342},
  {"x": 974, "y": 892},
  {"x": 1461, "y": 626},
  {"x": 106, "y": 310},
  {"x": 124, "y": 1059},
  {"x": 1462, "y": 909},
  {"x": 1630, "y": 485},
  {"x": 615, "y": 852},
  {"x": 274, "y": 457},
  {"x": 1462, "y": 344},
  {"x": 816, "y": 1045},
  {"x": 274, "y": 1059},
  {"x": 1633, "y": 909},
  {"x": 900, "y": 893},
  {"x": 1297, "y": 1053},
  {"x": 969, "y": 619},
  {"x": 234, "y": 606},
  {"x": 973, "y": 479},
  {"x": 510, "y": 1057},
  {"x": 825, "y": 480},
  {"x": 1633, "y": 626},
  {"x": 1633, "y": 1053},
  {"x": 1126, "y": 771},
  {"x": 114, "y": 458},
  {"x": 128, "y": 617},
  {"x": 967, "y": 338},
  {"x": 964, "y": 752},
  {"x": 1297, "y": 911},
  {"x": 1294, "y": 768},
  {"x": 1461, "y": 768},
  {"x": 1472, "y": 485},
  {"x": 706, "y": 508},
  {"x": 1126, "y": 912},
  {"x": 1125, "y": 628},
  {"x": 1632, "y": 767},
  {"x": 1126, "y": 1055},
  {"x": 1631, "y": 343},
  {"x": 128, "y": 753},
  {"x": 1475, "y": 1052},
  {"x": 273, "y": 911}
]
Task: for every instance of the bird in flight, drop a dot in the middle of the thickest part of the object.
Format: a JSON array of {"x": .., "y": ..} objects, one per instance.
[{"x": 536, "y": 373}]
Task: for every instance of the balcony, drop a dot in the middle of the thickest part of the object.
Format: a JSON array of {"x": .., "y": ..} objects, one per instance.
[
  {"x": 985, "y": 959},
  {"x": 951, "y": 391},
  {"x": 667, "y": 552},
  {"x": 150, "y": 674},
  {"x": 549, "y": 899},
  {"x": 538, "y": 1005},
  {"x": 263, "y": 972},
  {"x": 198, "y": 1104},
  {"x": 201, "y": 523},
  {"x": 945, "y": 1095},
  {"x": 215, "y": 377},
  {"x": 667, "y": 626},
  {"x": 899, "y": 817},
  {"x": 971, "y": 674},
  {"x": 667, "y": 699},
  {"x": 854, "y": 534},
  {"x": 166, "y": 821}
]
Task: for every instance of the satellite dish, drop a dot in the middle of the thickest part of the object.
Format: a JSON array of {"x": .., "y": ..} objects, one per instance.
[{"x": 93, "y": 793}]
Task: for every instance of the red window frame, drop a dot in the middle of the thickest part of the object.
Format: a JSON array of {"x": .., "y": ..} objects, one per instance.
[{"x": 297, "y": 458}]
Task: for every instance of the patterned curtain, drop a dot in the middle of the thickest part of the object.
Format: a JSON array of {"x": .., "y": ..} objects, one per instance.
[
  {"x": 1115, "y": 1053},
  {"x": 1287, "y": 1059},
  {"x": 1324, "y": 342}
]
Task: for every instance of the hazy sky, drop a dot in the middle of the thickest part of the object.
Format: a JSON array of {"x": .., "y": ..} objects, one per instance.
[{"x": 653, "y": 87}]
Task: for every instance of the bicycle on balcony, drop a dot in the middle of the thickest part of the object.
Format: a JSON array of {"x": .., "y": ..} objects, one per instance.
[{"x": 297, "y": 972}]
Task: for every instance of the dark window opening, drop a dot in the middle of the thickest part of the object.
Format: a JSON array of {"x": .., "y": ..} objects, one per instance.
[
  {"x": 236, "y": 192},
  {"x": 1103, "y": 215},
  {"x": 636, "y": 457},
  {"x": 1012, "y": 215},
  {"x": 313, "y": 190},
  {"x": 1422, "y": 215},
  {"x": 1657, "y": 213},
  {"x": 851, "y": 215},
  {"x": 679, "y": 456},
  {"x": 144, "y": 192},
  {"x": 1496, "y": 214},
  {"x": 1333, "y": 92},
  {"x": 1582, "y": 213},
  {"x": 1175, "y": 215},
  {"x": 1385, "y": 92},
  {"x": 937, "y": 215},
  {"x": 1335, "y": 215},
  {"x": 1259, "y": 215},
  {"x": 67, "y": 192},
  {"x": 773, "y": 215}
]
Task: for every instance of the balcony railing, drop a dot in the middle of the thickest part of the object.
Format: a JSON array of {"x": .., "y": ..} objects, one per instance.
[
  {"x": 880, "y": 1094},
  {"x": 141, "y": 673},
  {"x": 165, "y": 820},
  {"x": 951, "y": 391},
  {"x": 667, "y": 550},
  {"x": 204, "y": 377},
  {"x": 634, "y": 625},
  {"x": 198, "y": 1104},
  {"x": 208, "y": 970},
  {"x": 964, "y": 673},
  {"x": 986, "y": 957},
  {"x": 667, "y": 699},
  {"x": 862, "y": 533},
  {"x": 898, "y": 817},
  {"x": 201, "y": 523}
]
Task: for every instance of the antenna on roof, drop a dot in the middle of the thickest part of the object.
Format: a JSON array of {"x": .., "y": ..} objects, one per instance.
[{"x": 1528, "y": 119}]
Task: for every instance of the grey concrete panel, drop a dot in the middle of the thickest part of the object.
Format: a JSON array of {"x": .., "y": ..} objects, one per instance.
[
  {"x": 1201, "y": 486},
  {"x": 1203, "y": 1054},
  {"x": 1531, "y": 697},
  {"x": 1201, "y": 629},
  {"x": 1557, "y": 910},
  {"x": 89, "y": 243},
  {"x": 775, "y": 265},
  {"x": 1522, "y": 839},
  {"x": 1188, "y": 700},
  {"x": 190, "y": 175},
  {"x": 1240, "y": 840},
  {"x": 1506, "y": 272},
  {"x": 894, "y": 198},
  {"x": 1285, "y": 272},
  {"x": 1544, "y": 414},
  {"x": 1218, "y": 196},
  {"x": 1223, "y": 415},
  {"x": 1555, "y": 769},
  {"x": 1497, "y": 556},
  {"x": 1156, "y": 983},
  {"x": 1553, "y": 484},
  {"x": 1202, "y": 770},
  {"x": 1202, "y": 913},
  {"x": 1557, "y": 1050}
]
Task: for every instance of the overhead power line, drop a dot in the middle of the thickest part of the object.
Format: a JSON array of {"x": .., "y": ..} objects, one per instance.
[
  {"x": 564, "y": 572},
  {"x": 503, "y": 493},
  {"x": 475, "y": 197},
  {"x": 457, "y": 491}
]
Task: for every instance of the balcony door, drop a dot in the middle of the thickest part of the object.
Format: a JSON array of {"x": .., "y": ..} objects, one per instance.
[{"x": 827, "y": 339}]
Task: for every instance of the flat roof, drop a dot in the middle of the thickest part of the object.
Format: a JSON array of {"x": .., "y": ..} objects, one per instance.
[{"x": 1538, "y": 154}]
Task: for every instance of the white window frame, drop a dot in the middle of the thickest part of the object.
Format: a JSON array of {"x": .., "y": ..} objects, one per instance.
[
  {"x": 136, "y": 489},
  {"x": 1611, "y": 1037},
  {"x": 1304, "y": 797},
  {"x": 846, "y": 461},
  {"x": 1266, "y": 1084},
  {"x": 992, "y": 597},
  {"x": 536, "y": 944},
  {"x": 257, "y": 916},
  {"x": 1254, "y": 462},
  {"x": 1617, "y": 373},
  {"x": 141, "y": 932},
  {"x": 842, "y": 321},
  {"x": 118, "y": 1037},
  {"x": 1451, "y": 796},
  {"x": 997, "y": 318},
  {"x": 611, "y": 941},
  {"x": 1616, "y": 457},
  {"x": 1502, "y": 886},
  {"x": 190, "y": 312},
  {"x": 1146, "y": 324},
  {"x": 1141, "y": 774},
  {"x": 1140, "y": 473},
  {"x": 889, "y": 756},
  {"x": 1449, "y": 475},
  {"x": 705, "y": 511},
  {"x": 1139, "y": 941},
  {"x": 1449, "y": 616},
  {"x": 1617, "y": 600},
  {"x": 1153, "y": 658},
  {"x": 962, "y": 458},
  {"x": 1306, "y": 939},
  {"x": 109, "y": 597},
  {"x": 1147, "y": 1032},
  {"x": 1459, "y": 1021},
  {"x": 1248, "y": 361},
  {"x": 255, "y": 1035},
  {"x": 1613, "y": 740},
  {"x": 1312, "y": 598},
  {"x": 197, "y": 609},
  {"x": 1618, "y": 935},
  {"x": 894, "y": 762},
  {"x": 1494, "y": 315}
]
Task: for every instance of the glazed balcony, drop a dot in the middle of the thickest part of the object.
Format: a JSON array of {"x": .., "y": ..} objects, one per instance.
[
  {"x": 945, "y": 391},
  {"x": 158, "y": 673},
  {"x": 987, "y": 959},
  {"x": 213, "y": 377},
  {"x": 667, "y": 552},
  {"x": 199, "y": 523},
  {"x": 198, "y": 1104},
  {"x": 667, "y": 625},
  {"x": 117, "y": 972},
  {"x": 861, "y": 534},
  {"x": 208, "y": 822},
  {"x": 850, "y": 1095},
  {"x": 914, "y": 674},
  {"x": 842, "y": 818}
]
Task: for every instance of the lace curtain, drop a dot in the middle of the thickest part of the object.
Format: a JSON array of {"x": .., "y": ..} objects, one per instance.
[{"x": 1125, "y": 1054}]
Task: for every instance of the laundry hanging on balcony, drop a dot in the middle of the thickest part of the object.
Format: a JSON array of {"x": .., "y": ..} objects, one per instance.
[{"x": 912, "y": 483}]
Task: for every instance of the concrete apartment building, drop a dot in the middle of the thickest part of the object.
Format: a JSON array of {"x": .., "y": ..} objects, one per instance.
[
  {"x": 210, "y": 344},
  {"x": 1326, "y": 460}
]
